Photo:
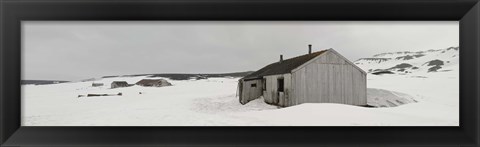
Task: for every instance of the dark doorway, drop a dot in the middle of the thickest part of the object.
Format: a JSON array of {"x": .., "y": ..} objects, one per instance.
[
  {"x": 264, "y": 84},
  {"x": 280, "y": 84}
]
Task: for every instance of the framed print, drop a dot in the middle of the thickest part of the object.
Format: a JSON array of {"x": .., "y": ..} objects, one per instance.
[
  {"x": 367, "y": 78},
  {"x": 202, "y": 73}
]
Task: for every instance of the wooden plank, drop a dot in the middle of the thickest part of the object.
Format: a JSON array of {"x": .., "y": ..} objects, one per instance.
[
  {"x": 267, "y": 96},
  {"x": 329, "y": 83},
  {"x": 307, "y": 84},
  {"x": 269, "y": 90},
  {"x": 288, "y": 88},
  {"x": 333, "y": 87},
  {"x": 364, "y": 89},
  {"x": 296, "y": 88},
  {"x": 324, "y": 82},
  {"x": 310, "y": 84},
  {"x": 349, "y": 85},
  {"x": 300, "y": 90},
  {"x": 327, "y": 79},
  {"x": 345, "y": 86},
  {"x": 292, "y": 89},
  {"x": 316, "y": 80},
  {"x": 338, "y": 83},
  {"x": 318, "y": 85},
  {"x": 354, "y": 88},
  {"x": 274, "y": 87},
  {"x": 302, "y": 86},
  {"x": 273, "y": 90}
]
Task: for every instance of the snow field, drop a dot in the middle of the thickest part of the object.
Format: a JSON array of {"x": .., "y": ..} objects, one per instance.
[{"x": 212, "y": 102}]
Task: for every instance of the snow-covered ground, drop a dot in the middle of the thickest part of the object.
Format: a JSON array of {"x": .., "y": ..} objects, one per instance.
[
  {"x": 437, "y": 105},
  {"x": 212, "y": 102}
]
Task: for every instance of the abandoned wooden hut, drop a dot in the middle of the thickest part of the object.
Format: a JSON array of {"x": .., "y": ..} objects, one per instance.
[
  {"x": 97, "y": 84},
  {"x": 153, "y": 83},
  {"x": 318, "y": 77},
  {"x": 118, "y": 84}
]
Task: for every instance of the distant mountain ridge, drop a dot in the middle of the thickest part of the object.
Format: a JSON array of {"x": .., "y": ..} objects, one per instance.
[
  {"x": 41, "y": 82},
  {"x": 180, "y": 76},
  {"x": 406, "y": 62},
  {"x": 172, "y": 76}
]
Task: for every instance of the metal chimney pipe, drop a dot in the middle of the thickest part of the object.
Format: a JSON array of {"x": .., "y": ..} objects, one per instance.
[
  {"x": 281, "y": 58},
  {"x": 309, "y": 49}
]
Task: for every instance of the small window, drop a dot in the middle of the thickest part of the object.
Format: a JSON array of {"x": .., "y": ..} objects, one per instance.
[{"x": 253, "y": 85}]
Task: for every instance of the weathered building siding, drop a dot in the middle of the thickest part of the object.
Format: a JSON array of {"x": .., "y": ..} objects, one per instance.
[
  {"x": 321, "y": 77},
  {"x": 328, "y": 79},
  {"x": 271, "y": 94},
  {"x": 248, "y": 93}
]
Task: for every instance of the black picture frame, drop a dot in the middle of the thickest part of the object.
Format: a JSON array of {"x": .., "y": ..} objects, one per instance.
[{"x": 12, "y": 12}]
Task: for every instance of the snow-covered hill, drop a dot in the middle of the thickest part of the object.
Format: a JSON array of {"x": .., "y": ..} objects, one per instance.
[{"x": 439, "y": 60}]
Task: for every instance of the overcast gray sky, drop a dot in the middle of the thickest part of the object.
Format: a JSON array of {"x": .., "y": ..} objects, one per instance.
[{"x": 75, "y": 50}]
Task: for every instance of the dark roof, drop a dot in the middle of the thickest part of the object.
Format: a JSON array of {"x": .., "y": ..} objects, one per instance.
[
  {"x": 286, "y": 66},
  {"x": 119, "y": 82},
  {"x": 150, "y": 81}
]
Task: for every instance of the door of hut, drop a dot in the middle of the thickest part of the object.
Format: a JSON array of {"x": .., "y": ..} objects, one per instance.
[{"x": 280, "y": 91}]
